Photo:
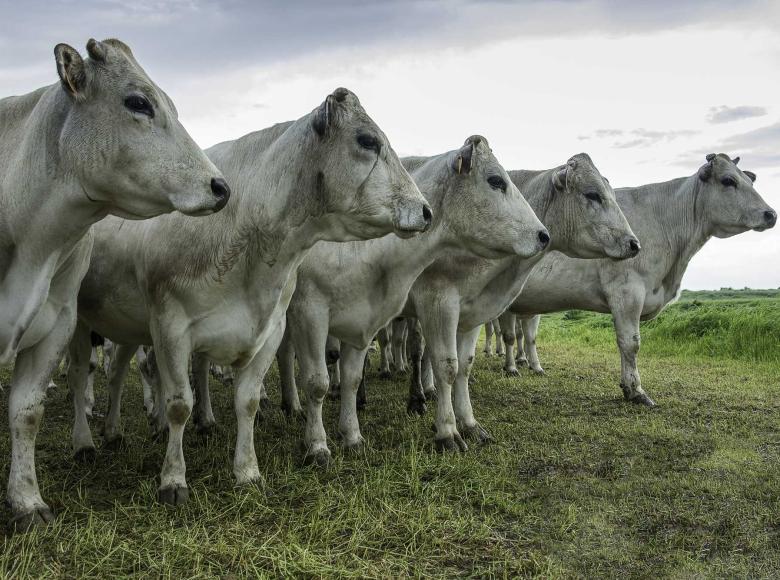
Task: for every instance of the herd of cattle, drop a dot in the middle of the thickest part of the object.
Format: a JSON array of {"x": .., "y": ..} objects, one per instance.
[{"x": 280, "y": 248}]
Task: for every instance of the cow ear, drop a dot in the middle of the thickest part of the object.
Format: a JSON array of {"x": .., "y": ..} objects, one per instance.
[
  {"x": 462, "y": 162},
  {"x": 322, "y": 118},
  {"x": 70, "y": 67},
  {"x": 559, "y": 178},
  {"x": 751, "y": 175},
  {"x": 735, "y": 161},
  {"x": 705, "y": 171}
]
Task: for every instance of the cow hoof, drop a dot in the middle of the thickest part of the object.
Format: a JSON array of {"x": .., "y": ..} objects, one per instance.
[
  {"x": 387, "y": 375},
  {"x": 319, "y": 458},
  {"x": 476, "y": 433},
  {"x": 205, "y": 428},
  {"x": 173, "y": 495},
  {"x": 487, "y": 353},
  {"x": 642, "y": 399},
  {"x": 511, "y": 372},
  {"x": 356, "y": 446},
  {"x": 26, "y": 521},
  {"x": 538, "y": 370},
  {"x": 521, "y": 362},
  {"x": 416, "y": 406},
  {"x": 85, "y": 455},
  {"x": 430, "y": 394},
  {"x": 114, "y": 442},
  {"x": 294, "y": 414},
  {"x": 450, "y": 444}
]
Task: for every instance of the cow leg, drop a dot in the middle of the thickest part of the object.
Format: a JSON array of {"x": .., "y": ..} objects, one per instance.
[
  {"x": 399, "y": 327},
  {"x": 520, "y": 358},
  {"x": 334, "y": 371},
  {"x": 309, "y": 345},
  {"x": 488, "y": 350},
  {"x": 332, "y": 356},
  {"x": 352, "y": 366},
  {"x": 362, "y": 399},
  {"x": 426, "y": 370},
  {"x": 117, "y": 374},
  {"x": 467, "y": 424},
  {"x": 530, "y": 328},
  {"x": 108, "y": 352},
  {"x": 415, "y": 405},
  {"x": 246, "y": 401},
  {"x": 203, "y": 414},
  {"x": 146, "y": 380},
  {"x": 285, "y": 359},
  {"x": 626, "y": 316},
  {"x": 89, "y": 393},
  {"x": 32, "y": 372},
  {"x": 508, "y": 337},
  {"x": 497, "y": 330},
  {"x": 440, "y": 339},
  {"x": 385, "y": 352},
  {"x": 79, "y": 351},
  {"x": 172, "y": 351}
]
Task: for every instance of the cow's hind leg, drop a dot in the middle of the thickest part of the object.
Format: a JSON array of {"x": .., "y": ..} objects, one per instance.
[
  {"x": 352, "y": 365},
  {"x": 467, "y": 424},
  {"x": 530, "y": 329},
  {"x": 626, "y": 318},
  {"x": 79, "y": 352},
  {"x": 117, "y": 374},
  {"x": 203, "y": 414},
  {"x": 508, "y": 336}
]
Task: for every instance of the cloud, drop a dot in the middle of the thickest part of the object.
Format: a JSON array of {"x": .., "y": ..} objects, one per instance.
[
  {"x": 638, "y": 137},
  {"x": 759, "y": 147},
  {"x": 726, "y": 114}
]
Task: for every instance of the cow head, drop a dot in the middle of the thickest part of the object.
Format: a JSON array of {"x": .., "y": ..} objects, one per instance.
[
  {"x": 728, "y": 201},
  {"x": 585, "y": 210},
  {"x": 363, "y": 185},
  {"x": 122, "y": 140},
  {"x": 484, "y": 210}
]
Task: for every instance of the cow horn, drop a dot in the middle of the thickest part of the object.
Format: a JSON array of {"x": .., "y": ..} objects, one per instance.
[
  {"x": 710, "y": 156},
  {"x": 559, "y": 178},
  {"x": 463, "y": 160},
  {"x": 96, "y": 50},
  {"x": 735, "y": 160}
]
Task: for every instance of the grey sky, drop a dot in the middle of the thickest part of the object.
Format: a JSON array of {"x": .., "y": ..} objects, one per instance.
[{"x": 647, "y": 88}]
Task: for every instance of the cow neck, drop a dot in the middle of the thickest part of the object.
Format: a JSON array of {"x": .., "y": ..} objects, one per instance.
[
  {"x": 680, "y": 221},
  {"x": 276, "y": 213},
  {"x": 52, "y": 210}
]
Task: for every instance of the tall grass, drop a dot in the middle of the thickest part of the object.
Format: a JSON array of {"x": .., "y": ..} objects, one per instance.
[{"x": 741, "y": 329}]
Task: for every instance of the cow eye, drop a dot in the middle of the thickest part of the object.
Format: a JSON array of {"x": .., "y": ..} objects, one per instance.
[
  {"x": 729, "y": 181},
  {"x": 140, "y": 104},
  {"x": 368, "y": 142},
  {"x": 497, "y": 182},
  {"x": 593, "y": 196}
]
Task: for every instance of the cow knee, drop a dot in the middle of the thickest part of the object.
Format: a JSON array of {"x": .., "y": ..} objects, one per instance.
[
  {"x": 178, "y": 410},
  {"x": 318, "y": 386}
]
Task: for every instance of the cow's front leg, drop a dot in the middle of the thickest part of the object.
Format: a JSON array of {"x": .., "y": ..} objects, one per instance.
[
  {"x": 626, "y": 314},
  {"x": 469, "y": 428},
  {"x": 203, "y": 414},
  {"x": 499, "y": 343},
  {"x": 385, "y": 352},
  {"x": 530, "y": 330},
  {"x": 246, "y": 402},
  {"x": 309, "y": 339},
  {"x": 32, "y": 371},
  {"x": 172, "y": 351},
  {"x": 117, "y": 374},
  {"x": 508, "y": 336},
  {"x": 416, "y": 405},
  {"x": 79, "y": 351},
  {"x": 352, "y": 366},
  {"x": 146, "y": 380},
  {"x": 89, "y": 393},
  {"x": 399, "y": 344},
  {"x": 285, "y": 358},
  {"x": 426, "y": 370},
  {"x": 439, "y": 331},
  {"x": 488, "y": 350},
  {"x": 520, "y": 357}
]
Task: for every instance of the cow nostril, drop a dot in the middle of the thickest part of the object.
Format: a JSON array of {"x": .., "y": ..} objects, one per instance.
[
  {"x": 771, "y": 217},
  {"x": 544, "y": 237},
  {"x": 220, "y": 188},
  {"x": 634, "y": 245},
  {"x": 427, "y": 215}
]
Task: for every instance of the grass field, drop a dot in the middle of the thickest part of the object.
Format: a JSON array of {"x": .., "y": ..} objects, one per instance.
[{"x": 578, "y": 483}]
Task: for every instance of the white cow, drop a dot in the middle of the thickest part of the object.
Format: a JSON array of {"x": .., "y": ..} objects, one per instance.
[
  {"x": 103, "y": 140},
  {"x": 674, "y": 220},
  {"x": 458, "y": 293},
  {"x": 351, "y": 291},
  {"x": 220, "y": 289}
]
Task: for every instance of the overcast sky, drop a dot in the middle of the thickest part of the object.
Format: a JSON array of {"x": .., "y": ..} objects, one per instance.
[{"x": 646, "y": 88}]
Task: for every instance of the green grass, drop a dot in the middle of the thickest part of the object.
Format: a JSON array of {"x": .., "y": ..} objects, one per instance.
[{"x": 578, "y": 484}]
